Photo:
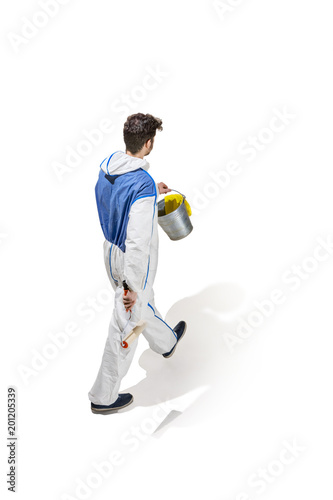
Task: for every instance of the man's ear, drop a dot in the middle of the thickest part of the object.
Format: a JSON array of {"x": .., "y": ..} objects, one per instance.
[{"x": 148, "y": 144}]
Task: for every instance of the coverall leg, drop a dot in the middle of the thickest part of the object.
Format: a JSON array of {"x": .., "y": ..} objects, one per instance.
[{"x": 116, "y": 360}]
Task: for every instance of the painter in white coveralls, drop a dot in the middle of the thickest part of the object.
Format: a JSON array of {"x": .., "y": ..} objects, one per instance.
[{"x": 126, "y": 197}]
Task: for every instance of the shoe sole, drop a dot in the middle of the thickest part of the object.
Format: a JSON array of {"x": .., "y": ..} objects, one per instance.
[
  {"x": 174, "y": 349},
  {"x": 108, "y": 411}
]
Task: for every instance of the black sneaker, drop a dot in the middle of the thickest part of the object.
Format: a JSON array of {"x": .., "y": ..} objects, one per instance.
[
  {"x": 179, "y": 330},
  {"x": 122, "y": 401}
]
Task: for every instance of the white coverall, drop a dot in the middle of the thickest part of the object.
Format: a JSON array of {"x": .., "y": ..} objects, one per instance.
[{"x": 137, "y": 266}]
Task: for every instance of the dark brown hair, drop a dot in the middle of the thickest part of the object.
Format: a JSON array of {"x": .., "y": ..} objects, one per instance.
[{"x": 138, "y": 129}]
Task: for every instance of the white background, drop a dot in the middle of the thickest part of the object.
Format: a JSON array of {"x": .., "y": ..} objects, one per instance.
[{"x": 229, "y": 413}]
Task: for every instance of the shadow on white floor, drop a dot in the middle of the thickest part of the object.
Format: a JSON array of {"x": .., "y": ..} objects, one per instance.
[{"x": 200, "y": 359}]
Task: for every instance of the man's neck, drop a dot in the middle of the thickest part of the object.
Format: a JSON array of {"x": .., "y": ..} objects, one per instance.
[{"x": 137, "y": 155}]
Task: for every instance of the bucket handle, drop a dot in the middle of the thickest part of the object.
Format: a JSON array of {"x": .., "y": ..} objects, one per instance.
[{"x": 177, "y": 192}]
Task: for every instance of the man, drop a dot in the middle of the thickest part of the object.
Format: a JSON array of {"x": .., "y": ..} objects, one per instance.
[{"x": 126, "y": 198}]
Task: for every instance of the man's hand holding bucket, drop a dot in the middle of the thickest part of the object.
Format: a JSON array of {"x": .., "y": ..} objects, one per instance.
[{"x": 163, "y": 188}]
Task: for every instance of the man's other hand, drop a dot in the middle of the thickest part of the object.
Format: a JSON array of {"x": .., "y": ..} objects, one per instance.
[
  {"x": 129, "y": 299},
  {"x": 163, "y": 188}
]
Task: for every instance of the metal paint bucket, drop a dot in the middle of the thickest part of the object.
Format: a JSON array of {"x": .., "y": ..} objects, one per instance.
[{"x": 176, "y": 224}]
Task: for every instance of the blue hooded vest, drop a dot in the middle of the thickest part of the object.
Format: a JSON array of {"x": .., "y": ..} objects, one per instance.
[{"x": 115, "y": 195}]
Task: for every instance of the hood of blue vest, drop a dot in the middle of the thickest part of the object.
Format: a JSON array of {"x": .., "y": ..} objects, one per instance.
[{"x": 120, "y": 163}]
